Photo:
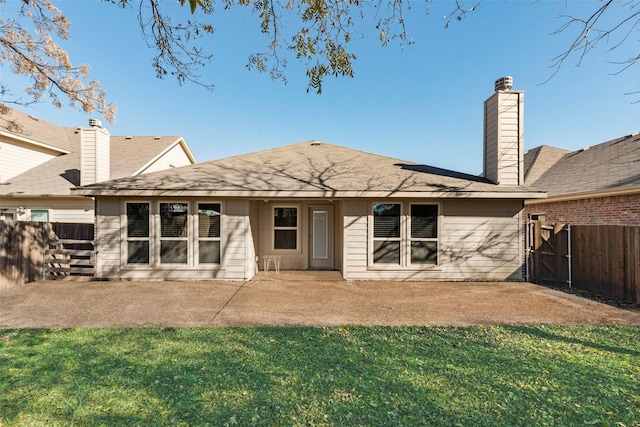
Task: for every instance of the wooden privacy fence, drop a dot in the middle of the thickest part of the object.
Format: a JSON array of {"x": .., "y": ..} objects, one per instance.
[
  {"x": 31, "y": 251},
  {"x": 604, "y": 259}
]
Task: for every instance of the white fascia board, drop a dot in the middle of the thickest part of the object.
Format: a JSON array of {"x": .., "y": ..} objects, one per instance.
[{"x": 184, "y": 146}]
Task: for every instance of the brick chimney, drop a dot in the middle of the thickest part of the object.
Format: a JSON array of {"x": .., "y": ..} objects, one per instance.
[
  {"x": 504, "y": 134},
  {"x": 95, "y": 148}
]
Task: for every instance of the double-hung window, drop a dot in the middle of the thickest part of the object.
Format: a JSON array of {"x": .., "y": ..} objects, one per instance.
[
  {"x": 138, "y": 233},
  {"x": 424, "y": 234},
  {"x": 174, "y": 233},
  {"x": 405, "y": 237},
  {"x": 285, "y": 228},
  {"x": 209, "y": 233},
  {"x": 386, "y": 233}
]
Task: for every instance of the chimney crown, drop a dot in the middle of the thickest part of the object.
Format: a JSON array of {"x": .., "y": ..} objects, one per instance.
[
  {"x": 504, "y": 83},
  {"x": 95, "y": 123}
]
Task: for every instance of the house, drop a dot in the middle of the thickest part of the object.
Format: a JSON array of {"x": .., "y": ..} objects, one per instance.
[
  {"x": 592, "y": 186},
  {"x": 41, "y": 162},
  {"x": 315, "y": 205}
]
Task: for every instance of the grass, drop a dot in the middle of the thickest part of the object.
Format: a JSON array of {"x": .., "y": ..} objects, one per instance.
[{"x": 347, "y": 376}]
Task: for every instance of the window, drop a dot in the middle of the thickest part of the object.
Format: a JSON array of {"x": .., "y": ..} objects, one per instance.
[
  {"x": 424, "y": 234},
  {"x": 285, "y": 228},
  {"x": 173, "y": 233},
  {"x": 137, "y": 233},
  {"x": 402, "y": 238},
  {"x": 6, "y": 216},
  {"x": 209, "y": 233},
  {"x": 40, "y": 215},
  {"x": 386, "y": 233}
]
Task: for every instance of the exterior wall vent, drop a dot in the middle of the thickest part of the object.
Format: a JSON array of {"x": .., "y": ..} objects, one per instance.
[
  {"x": 95, "y": 123},
  {"x": 504, "y": 83}
]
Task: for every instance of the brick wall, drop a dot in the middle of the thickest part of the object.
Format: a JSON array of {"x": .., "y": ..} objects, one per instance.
[{"x": 614, "y": 210}]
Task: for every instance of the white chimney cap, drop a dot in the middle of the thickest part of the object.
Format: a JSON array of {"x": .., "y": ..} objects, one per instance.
[
  {"x": 95, "y": 123},
  {"x": 504, "y": 83}
]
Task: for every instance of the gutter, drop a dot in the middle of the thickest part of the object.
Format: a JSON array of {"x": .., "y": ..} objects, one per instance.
[{"x": 587, "y": 195}]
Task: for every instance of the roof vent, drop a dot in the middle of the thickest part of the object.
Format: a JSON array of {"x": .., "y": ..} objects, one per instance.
[
  {"x": 504, "y": 83},
  {"x": 95, "y": 123}
]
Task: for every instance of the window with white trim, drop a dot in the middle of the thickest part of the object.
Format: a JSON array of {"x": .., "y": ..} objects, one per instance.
[
  {"x": 285, "y": 227},
  {"x": 424, "y": 234},
  {"x": 404, "y": 237},
  {"x": 174, "y": 233},
  {"x": 386, "y": 233},
  {"x": 209, "y": 215},
  {"x": 138, "y": 236}
]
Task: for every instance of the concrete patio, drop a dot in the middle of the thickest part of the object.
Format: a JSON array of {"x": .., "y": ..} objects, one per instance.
[{"x": 296, "y": 299}]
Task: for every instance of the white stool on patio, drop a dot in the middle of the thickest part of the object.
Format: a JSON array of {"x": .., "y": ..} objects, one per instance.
[{"x": 268, "y": 259}]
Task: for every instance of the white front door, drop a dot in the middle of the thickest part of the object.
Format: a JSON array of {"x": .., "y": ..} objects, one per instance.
[{"x": 321, "y": 237}]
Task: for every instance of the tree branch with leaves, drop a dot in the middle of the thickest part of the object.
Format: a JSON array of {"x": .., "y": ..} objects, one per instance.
[{"x": 27, "y": 45}]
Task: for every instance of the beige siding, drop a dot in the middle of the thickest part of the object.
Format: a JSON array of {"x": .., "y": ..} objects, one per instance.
[
  {"x": 503, "y": 138},
  {"x": 94, "y": 155},
  {"x": 18, "y": 157},
  {"x": 478, "y": 240},
  {"x": 234, "y": 238},
  {"x": 111, "y": 246},
  {"x": 175, "y": 157},
  {"x": 108, "y": 233},
  {"x": 355, "y": 238},
  {"x": 79, "y": 209},
  {"x": 491, "y": 138}
]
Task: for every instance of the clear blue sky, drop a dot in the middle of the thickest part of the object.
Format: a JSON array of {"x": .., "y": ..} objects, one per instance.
[{"x": 422, "y": 103}]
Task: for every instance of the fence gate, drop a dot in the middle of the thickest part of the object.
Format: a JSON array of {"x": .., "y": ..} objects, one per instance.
[
  {"x": 549, "y": 256},
  {"x": 69, "y": 258}
]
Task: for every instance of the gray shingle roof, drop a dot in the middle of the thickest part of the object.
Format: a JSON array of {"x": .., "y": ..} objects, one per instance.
[
  {"x": 57, "y": 176},
  {"x": 39, "y": 130},
  {"x": 611, "y": 165},
  {"x": 308, "y": 169},
  {"x": 538, "y": 160}
]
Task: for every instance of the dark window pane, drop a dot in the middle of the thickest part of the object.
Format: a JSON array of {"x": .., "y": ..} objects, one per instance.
[
  {"x": 173, "y": 252},
  {"x": 386, "y": 252},
  {"x": 285, "y": 239},
  {"x": 386, "y": 220},
  {"x": 285, "y": 217},
  {"x": 424, "y": 252},
  {"x": 424, "y": 221},
  {"x": 209, "y": 220},
  {"x": 173, "y": 220},
  {"x": 138, "y": 219},
  {"x": 209, "y": 252},
  {"x": 138, "y": 252}
]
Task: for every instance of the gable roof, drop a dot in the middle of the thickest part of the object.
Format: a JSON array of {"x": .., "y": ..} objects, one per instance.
[
  {"x": 612, "y": 165},
  {"x": 56, "y": 177},
  {"x": 308, "y": 169},
  {"x": 36, "y": 131},
  {"x": 539, "y": 160}
]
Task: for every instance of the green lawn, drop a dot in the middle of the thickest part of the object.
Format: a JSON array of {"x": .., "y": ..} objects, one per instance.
[{"x": 348, "y": 376}]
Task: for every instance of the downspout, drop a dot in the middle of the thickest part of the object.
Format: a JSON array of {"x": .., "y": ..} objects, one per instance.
[
  {"x": 527, "y": 239},
  {"x": 569, "y": 253}
]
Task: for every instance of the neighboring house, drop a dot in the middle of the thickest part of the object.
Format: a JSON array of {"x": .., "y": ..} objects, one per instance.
[
  {"x": 321, "y": 206},
  {"x": 41, "y": 162},
  {"x": 592, "y": 186}
]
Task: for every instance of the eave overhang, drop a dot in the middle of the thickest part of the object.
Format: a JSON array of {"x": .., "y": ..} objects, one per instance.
[
  {"x": 588, "y": 195},
  {"x": 326, "y": 194}
]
